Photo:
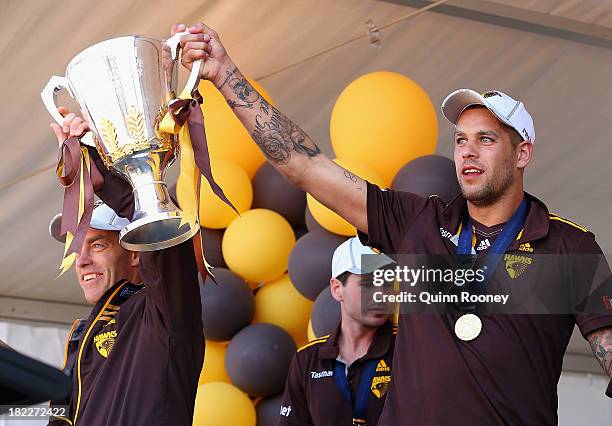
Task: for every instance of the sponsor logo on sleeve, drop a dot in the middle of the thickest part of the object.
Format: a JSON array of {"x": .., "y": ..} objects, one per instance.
[{"x": 285, "y": 411}]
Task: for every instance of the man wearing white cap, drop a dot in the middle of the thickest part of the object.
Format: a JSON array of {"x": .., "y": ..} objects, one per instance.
[
  {"x": 136, "y": 359},
  {"x": 343, "y": 378},
  {"x": 459, "y": 368},
  {"x": 102, "y": 261}
]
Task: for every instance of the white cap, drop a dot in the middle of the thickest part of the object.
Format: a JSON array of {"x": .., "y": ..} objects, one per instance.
[
  {"x": 509, "y": 111},
  {"x": 352, "y": 256},
  {"x": 103, "y": 218}
]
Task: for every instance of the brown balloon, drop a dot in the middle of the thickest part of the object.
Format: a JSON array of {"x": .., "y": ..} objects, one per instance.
[
  {"x": 227, "y": 306},
  {"x": 310, "y": 261},
  {"x": 272, "y": 191},
  {"x": 211, "y": 242},
  {"x": 268, "y": 410},
  {"x": 428, "y": 175},
  {"x": 299, "y": 231},
  {"x": 258, "y": 357},
  {"x": 326, "y": 314},
  {"x": 311, "y": 222}
]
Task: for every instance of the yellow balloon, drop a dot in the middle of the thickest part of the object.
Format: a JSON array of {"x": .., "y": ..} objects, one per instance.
[
  {"x": 278, "y": 302},
  {"x": 227, "y": 138},
  {"x": 236, "y": 185},
  {"x": 257, "y": 244},
  {"x": 213, "y": 369},
  {"x": 330, "y": 220},
  {"x": 222, "y": 404},
  {"x": 310, "y": 333},
  {"x": 383, "y": 119}
]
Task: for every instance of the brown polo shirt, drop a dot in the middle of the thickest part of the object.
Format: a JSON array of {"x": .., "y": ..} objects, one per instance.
[
  {"x": 313, "y": 395},
  {"x": 508, "y": 375}
]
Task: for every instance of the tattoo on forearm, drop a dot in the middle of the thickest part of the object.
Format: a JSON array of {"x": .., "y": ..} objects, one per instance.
[
  {"x": 601, "y": 344},
  {"x": 275, "y": 134},
  {"x": 350, "y": 176},
  {"x": 247, "y": 96}
]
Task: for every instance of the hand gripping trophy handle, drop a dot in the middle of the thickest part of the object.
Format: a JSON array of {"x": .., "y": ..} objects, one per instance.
[
  {"x": 194, "y": 78},
  {"x": 49, "y": 95}
]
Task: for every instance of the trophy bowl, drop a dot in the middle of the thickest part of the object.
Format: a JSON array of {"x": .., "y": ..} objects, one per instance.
[{"x": 123, "y": 87}]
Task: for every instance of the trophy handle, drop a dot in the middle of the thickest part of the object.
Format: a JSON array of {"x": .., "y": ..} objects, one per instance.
[
  {"x": 194, "y": 78},
  {"x": 48, "y": 96},
  {"x": 49, "y": 93}
]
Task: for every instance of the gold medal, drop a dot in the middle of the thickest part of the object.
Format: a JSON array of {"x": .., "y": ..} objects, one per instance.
[{"x": 468, "y": 327}]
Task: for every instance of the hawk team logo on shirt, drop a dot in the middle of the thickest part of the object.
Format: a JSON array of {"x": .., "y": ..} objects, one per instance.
[
  {"x": 380, "y": 385},
  {"x": 516, "y": 265},
  {"x": 104, "y": 342}
]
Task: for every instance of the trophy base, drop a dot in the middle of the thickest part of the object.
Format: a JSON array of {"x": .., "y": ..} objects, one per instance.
[{"x": 156, "y": 232}]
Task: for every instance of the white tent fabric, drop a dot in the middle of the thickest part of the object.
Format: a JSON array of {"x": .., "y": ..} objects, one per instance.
[{"x": 561, "y": 82}]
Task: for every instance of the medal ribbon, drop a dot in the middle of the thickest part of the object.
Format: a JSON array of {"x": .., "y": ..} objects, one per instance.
[
  {"x": 497, "y": 249},
  {"x": 359, "y": 406}
]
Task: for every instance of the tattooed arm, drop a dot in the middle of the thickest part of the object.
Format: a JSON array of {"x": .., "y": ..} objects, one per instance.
[
  {"x": 601, "y": 344},
  {"x": 286, "y": 146}
]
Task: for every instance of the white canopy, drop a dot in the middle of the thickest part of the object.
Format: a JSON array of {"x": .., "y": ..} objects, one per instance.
[{"x": 297, "y": 50}]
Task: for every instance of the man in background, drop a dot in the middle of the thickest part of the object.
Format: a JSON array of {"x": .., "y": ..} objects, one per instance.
[{"x": 343, "y": 378}]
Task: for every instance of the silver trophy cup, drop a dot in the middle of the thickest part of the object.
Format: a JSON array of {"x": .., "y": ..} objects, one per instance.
[{"x": 123, "y": 87}]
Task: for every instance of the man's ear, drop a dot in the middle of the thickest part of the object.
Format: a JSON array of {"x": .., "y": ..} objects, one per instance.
[
  {"x": 524, "y": 151},
  {"x": 336, "y": 289},
  {"x": 134, "y": 259}
]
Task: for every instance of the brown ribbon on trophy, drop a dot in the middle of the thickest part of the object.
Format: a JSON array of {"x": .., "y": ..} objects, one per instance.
[
  {"x": 192, "y": 140},
  {"x": 79, "y": 176}
]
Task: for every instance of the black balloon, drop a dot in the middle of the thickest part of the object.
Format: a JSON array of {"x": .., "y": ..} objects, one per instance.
[
  {"x": 227, "y": 306},
  {"x": 326, "y": 314},
  {"x": 272, "y": 191},
  {"x": 428, "y": 175},
  {"x": 268, "y": 410},
  {"x": 211, "y": 241},
  {"x": 299, "y": 231},
  {"x": 311, "y": 222},
  {"x": 310, "y": 261},
  {"x": 257, "y": 359}
]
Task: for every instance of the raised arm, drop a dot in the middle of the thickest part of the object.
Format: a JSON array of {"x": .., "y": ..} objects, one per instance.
[
  {"x": 286, "y": 146},
  {"x": 601, "y": 344}
]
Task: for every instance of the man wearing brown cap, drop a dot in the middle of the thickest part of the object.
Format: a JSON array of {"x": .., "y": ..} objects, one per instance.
[
  {"x": 137, "y": 358},
  {"x": 460, "y": 368}
]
